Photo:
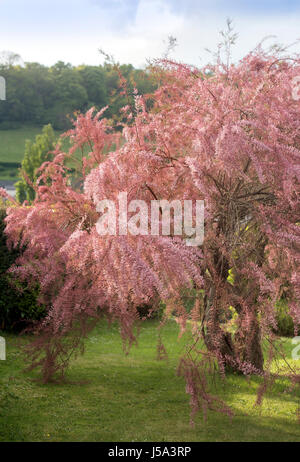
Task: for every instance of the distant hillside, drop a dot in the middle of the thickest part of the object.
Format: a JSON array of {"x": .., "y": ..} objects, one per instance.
[
  {"x": 12, "y": 142},
  {"x": 12, "y": 145},
  {"x": 38, "y": 95}
]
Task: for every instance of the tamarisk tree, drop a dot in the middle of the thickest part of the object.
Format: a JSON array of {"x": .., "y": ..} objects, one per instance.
[{"x": 229, "y": 137}]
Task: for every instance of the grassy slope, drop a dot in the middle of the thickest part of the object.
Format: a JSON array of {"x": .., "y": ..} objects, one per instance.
[
  {"x": 132, "y": 398},
  {"x": 12, "y": 146}
]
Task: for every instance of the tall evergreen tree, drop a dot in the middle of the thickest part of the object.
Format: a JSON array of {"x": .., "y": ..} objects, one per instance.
[{"x": 35, "y": 155}]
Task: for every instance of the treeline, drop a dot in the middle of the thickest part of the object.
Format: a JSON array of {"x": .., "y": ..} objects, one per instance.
[{"x": 37, "y": 94}]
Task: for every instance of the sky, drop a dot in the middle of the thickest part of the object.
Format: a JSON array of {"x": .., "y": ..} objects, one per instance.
[{"x": 134, "y": 31}]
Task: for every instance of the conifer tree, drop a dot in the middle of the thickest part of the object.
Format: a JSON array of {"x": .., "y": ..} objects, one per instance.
[{"x": 36, "y": 153}]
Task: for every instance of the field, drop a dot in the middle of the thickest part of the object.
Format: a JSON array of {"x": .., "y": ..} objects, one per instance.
[
  {"x": 114, "y": 397},
  {"x": 12, "y": 145},
  {"x": 13, "y": 141}
]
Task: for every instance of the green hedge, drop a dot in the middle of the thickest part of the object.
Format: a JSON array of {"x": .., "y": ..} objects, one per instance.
[{"x": 18, "y": 303}]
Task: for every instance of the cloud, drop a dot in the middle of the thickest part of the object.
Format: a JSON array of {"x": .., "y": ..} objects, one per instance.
[
  {"x": 134, "y": 30},
  {"x": 197, "y": 24}
]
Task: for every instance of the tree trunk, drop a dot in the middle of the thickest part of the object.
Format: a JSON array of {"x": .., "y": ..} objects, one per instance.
[
  {"x": 245, "y": 346},
  {"x": 216, "y": 340},
  {"x": 248, "y": 343}
]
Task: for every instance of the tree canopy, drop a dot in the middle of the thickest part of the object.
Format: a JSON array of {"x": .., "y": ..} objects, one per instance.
[
  {"x": 230, "y": 139},
  {"x": 38, "y": 94}
]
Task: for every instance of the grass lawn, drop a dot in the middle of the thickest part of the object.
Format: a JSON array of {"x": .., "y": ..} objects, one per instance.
[
  {"x": 12, "y": 142},
  {"x": 132, "y": 398},
  {"x": 12, "y": 147}
]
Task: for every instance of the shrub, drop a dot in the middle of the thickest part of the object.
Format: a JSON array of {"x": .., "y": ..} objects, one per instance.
[
  {"x": 35, "y": 155},
  {"x": 18, "y": 303},
  {"x": 285, "y": 325},
  {"x": 151, "y": 310}
]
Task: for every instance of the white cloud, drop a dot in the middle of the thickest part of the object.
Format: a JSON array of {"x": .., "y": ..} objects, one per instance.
[
  {"x": 155, "y": 21},
  {"x": 137, "y": 33}
]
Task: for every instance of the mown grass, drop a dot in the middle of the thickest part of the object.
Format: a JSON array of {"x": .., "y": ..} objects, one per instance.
[
  {"x": 12, "y": 147},
  {"x": 12, "y": 142},
  {"x": 114, "y": 397}
]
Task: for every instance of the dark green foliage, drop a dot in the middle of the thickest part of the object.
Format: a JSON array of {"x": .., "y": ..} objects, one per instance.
[
  {"x": 285, "y": 325},
  {"x": 4, "y": 165},
  {"x": 36, "y": 94},
  {"x": 10, "y": 125},
  {"x": 149, "y": 311},
  {"x": 9, "y": 169},
  {"x": 18, "y": 304}
]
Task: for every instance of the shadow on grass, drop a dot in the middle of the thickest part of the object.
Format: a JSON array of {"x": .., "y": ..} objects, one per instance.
[{"x": 134, "y": 398}]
